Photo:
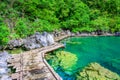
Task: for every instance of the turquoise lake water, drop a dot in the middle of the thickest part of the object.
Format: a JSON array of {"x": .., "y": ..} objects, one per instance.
[{"x": 104, "y": 50}]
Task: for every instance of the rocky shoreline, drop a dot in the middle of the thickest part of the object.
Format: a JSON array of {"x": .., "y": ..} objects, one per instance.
[
  {"x": 39, "y": 40},
  {"x": 34, "y": 41}
]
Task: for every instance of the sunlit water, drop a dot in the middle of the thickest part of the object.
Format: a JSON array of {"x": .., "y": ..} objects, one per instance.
[{"x": 104, "y": 50}]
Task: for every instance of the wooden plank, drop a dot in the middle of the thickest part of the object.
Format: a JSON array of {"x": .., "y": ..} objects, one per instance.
[{"x": 33, "y": 60}]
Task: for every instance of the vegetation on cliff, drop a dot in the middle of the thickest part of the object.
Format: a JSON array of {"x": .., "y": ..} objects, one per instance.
[{"x": 22, "y": 17}]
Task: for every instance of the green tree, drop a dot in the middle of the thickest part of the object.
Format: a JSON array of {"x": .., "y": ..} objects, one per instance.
[
  {"x": 101, "y": 23},
  {"x": 74, "y": 14},
  {"x": 4, "y": 33},
  {"x": 21, "y": 28}
]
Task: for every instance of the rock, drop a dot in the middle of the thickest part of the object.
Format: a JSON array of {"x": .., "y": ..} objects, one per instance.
[
  {"x": 84, "y": 34},
  {"x": 34, "y": 41},
  {"x": 38, "y": 40},
  {"x": 3, "y": 71},
  {"x": 15, "y": 43},
  {"x": 108, "y": 34},
  {"x": 3, "y": 63},
  {"x": 72, "y": 34},
  {"x": 4, "y": 56},
  {"x": 77, "y": 33},
  {"x": 93, "y": 33},
  {"x": 31, "y": 44},
  {"x": 117, "y": 34},
  {"x": 44, "y": 34},
  {"x": 62, "y": 33},
  {"x": 43, "y": 41},
  {"x": 94, "y": 71},
  {"x": 5, "y": 77},
  {"x": 68, "y": 32},
  {"x": 50, "y": 39},
  {"x": 37, "y": 33}
]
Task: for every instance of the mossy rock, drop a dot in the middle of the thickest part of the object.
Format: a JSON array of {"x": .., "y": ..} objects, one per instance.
[{"x": 65, "y": 60}]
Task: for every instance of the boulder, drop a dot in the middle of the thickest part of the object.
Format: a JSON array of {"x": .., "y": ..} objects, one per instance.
[
  {"x": 15, "y": 43},
  {"x": 34, "y": 41},
  {"x": 68, "y": 32},
  {"x": 38, "y": 40},
  {"x": 43, "y": 40},
  {"x": 50, "y": 39},
  {"x": 30, "y": 43}
]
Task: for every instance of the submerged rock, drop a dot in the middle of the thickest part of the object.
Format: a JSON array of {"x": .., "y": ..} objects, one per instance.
[
  {"x": 95, "y": 71},
  {"x": 64, "y": 60}
]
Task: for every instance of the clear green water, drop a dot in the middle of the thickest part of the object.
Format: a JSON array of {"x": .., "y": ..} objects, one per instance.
[{"x": 104, "y": 50}]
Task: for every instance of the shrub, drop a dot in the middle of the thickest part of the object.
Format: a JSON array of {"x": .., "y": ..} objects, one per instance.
[
  {"x": 4, "y": 33},
  {"x": 21, "y": 28}
]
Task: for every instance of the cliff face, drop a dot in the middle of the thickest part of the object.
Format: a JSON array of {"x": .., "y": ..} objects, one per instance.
[
  {"x": 95, "y": 71},
  {"x": 36, "y": 40}
]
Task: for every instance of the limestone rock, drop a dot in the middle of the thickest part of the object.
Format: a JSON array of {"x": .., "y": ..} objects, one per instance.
[
  {"x": 95, "y": 71},
  {"x": 15, "y": 43},
  {"x": 38, "y": 40},
  {"x": 31, "y": 43},
  {"x": 5, "y": 77},
  {"x": 4, "y": 56},
  {"x": 3, "y": 65},
  {"x": 68, "y": 32},
  {"x": 43, "y": 41},
  {"x": 34, "y": 41},
  {"x": 3, "y": 71},
  {"x": 50, "y": 39}
]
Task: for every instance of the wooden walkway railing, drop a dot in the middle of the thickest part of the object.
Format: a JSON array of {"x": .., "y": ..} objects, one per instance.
[{"x": 31, "y": 65}]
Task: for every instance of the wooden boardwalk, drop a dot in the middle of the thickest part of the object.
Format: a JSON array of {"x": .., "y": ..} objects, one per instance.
[
  {"x": 31, "y": 65},
  {"x": 61, "y": 37}
]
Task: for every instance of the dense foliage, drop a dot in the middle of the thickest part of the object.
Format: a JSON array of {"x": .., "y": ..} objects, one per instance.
[
  {"x": 4, "y": 32},
  {"x": 24, "y": 17}
]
